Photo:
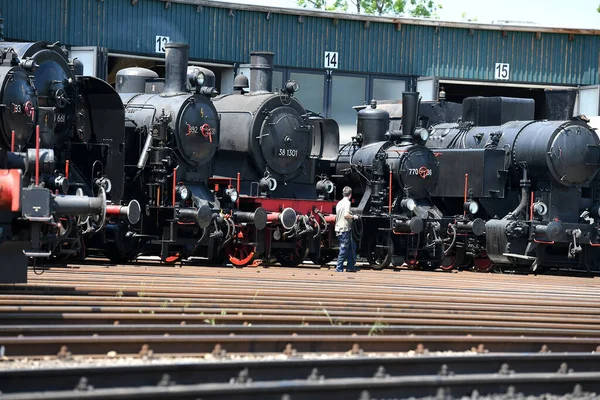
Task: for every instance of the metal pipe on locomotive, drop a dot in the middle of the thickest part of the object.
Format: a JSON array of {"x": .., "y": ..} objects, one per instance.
[
  {"x": 536, "y": 181},
  {"x": 172, "y": 137},
  {"x": 47, "y": 204},
  {"x": 270, "y": 146}
]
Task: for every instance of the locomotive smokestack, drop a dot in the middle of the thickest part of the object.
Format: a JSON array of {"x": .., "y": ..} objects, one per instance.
[
  {"x": 176, "y": 61},
  {"x": 560, "y": 104},
  {"x": 410, "y": 110},
  {"x": 261, "y": 71}
]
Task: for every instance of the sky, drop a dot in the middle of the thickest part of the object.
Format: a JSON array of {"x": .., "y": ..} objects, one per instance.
[{"x": 548, "y": 13}]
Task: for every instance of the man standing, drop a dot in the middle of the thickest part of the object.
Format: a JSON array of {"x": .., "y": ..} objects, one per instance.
[{"x": 343, "y": 221}]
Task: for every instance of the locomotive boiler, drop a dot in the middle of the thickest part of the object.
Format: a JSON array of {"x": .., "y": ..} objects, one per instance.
[
  {"x": 172, "y": 136},
  {"x": 46, "y": 196},
  {"x": 392, "y": 175},
  {"x": 270, "y": 145},
  {"x": 535, "y": 181}
]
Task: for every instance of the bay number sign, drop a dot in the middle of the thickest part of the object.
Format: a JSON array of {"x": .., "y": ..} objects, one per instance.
[
  {"x": 159, "y": 44},
  {"x": 331, "y": 59},
  {"x": 502, "y": 71}
]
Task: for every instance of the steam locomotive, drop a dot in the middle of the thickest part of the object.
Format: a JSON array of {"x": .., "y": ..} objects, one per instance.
[
  {"x": 50, "y": 198},
  {"x": 535, "y": 181},
  {"x": 271, "y": 146},
  {"x": 495, "y": 188},
  {"x": 395, "y": 175}
]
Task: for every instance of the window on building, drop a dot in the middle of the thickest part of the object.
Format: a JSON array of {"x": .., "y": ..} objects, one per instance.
[
  {"x": 312, "y": 88},
  {"x": 277, "y": 80},
  {"x": 346, "y": 92},
  {"x": 388, "y": 89}
]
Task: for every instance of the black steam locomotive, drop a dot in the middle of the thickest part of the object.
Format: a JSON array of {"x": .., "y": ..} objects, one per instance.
[
  {"x": 50, "y": 198},
  {"x": 496, "y": 188},
  {"x": 535, "y": 184},
  {"x": 270, "y": 146},
  {"x": 394, "y": 175}
]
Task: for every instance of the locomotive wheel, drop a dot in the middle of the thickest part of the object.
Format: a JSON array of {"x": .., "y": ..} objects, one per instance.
[
  {"x": 448, "y": 263},
  {"x": 292, "y": 257},
  {"x": 240, "y": 253},
  {"x": 483, "y": 263},
  {"x": 172, "y": 259},
  {"x": 380, "y": 252}
]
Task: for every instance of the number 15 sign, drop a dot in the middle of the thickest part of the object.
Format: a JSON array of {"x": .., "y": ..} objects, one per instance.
[{"x": 502, "y": 71}]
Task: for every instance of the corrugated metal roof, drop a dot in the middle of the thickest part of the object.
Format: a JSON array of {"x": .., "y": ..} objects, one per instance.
[{"x": 228, "y": 34}]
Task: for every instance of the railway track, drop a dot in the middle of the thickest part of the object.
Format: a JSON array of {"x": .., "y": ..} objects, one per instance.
[
  {"x": 334, "y": 378},
  {"x": 396, "y": 333}
]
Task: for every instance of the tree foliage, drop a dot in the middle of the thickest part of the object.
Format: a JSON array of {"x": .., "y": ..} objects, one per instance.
[
  {"x": 414, "y": 8},
  {"x": 466, "y": 18},
  {"x": 336, "y": 5},
  {"x": 424, "y": 8}
]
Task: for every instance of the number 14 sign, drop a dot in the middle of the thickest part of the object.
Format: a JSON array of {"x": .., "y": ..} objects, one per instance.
[{"x": 331, "y": 59}]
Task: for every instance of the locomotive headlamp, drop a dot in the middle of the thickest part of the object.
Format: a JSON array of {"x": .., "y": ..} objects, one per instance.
[
  {"x": 291, "y": 87},
  {"x": 200, "y": 78},
  {"x": 471, "y": 207},
  {"x": 324, "y": 187},
  {"x": 424, "y": 134},
  {"x": 61, "y": 183},
  {"x": 104, "y": 183},
  {"x": 232, "y": 194},
  {"x": 267, "y": 184},
  {"x": 409, "y": 204},
  {"x": 183, "y": 192},
  {"x": 540, "y": 208}
]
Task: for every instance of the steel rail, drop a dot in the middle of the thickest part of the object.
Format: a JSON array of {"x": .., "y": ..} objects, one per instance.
[
  {"x": 322, "y": 329},
  {"x": 343, "y": 388},
  {"x": 193, "y": 373},
  {"x": 324, "y": 318},
  {"x": 273, "y": 343}
]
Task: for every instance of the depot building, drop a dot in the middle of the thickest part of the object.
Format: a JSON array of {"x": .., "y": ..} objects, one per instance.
[{"x": 339, "y": 60}]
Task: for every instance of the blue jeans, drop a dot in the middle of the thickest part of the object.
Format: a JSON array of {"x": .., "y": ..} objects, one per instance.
[{"x": 347, "y": 252}]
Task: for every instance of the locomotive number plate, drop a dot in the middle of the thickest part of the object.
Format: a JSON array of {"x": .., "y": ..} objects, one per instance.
[{"x": 286, "y": 152}]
